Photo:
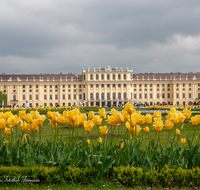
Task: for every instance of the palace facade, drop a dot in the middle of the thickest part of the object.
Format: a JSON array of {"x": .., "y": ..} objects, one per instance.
[{"x": 102, "y": 86}]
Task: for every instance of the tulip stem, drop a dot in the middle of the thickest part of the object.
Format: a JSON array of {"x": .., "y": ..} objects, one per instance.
[
  {"x": 193, "y": 134},
  {"x": 111, "y": 133},
  {"x": 0, "y": 136},
  {"x": 16, "y": 133},
  {"x": 40, "y": 133}
]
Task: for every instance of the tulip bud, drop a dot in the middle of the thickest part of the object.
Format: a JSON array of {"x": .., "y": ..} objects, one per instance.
[
  {"x": 146, "y": 129},
  {"x": 88, "y": 141},
  {"x": 122, "y": 145},
  {"x": 177, "y": 132},
  {"x": 100, "y": 140},
  {"x": 183, "y": 140}
]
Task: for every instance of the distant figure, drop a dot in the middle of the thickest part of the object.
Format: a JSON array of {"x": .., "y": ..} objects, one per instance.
[{"x": 26, "y": 104}]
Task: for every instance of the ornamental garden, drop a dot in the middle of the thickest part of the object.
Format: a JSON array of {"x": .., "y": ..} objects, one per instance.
[{"x": 154, "y": 146}]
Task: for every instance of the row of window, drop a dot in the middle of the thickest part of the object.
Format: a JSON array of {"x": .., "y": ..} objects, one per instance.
[
  {"x": 108, "y": 77},
  {"x": 163, "y": 96},
  {"x": 50, "y": 97},
  {"x": 80, "y": 86}
]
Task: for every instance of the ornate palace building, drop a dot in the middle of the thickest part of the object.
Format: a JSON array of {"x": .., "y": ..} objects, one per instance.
[{"x": 102, "y": 86}]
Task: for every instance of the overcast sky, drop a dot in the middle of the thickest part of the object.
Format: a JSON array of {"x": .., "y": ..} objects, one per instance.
[{"x": 53, "y": 36}]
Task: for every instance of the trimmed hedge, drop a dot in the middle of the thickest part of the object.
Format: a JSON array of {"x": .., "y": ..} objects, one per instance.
[{"x": 128, "y": 176}]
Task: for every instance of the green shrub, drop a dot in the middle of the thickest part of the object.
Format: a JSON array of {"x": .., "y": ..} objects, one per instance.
[
  {"x": 152, "y": 176},
  {"x": 127, "y": 175},
  {"x": 77, "y": 175},
  {"x": 195, "y": 175},
  {"x": 166, "y": 176},
  {"x": 182, "y": 176}
]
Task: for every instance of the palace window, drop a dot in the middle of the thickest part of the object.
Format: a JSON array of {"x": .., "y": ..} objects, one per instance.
[
  {"x": 114, "y": 96},
  {"x": 91, "y": 77},
  {"x": 97, "y": 96},
  {"x": 119, "y": 95},
  {"x": 108, "y": 77},
  {"x": 113, "y": 76},
  {"x": 102, "y": 76},
  {"x": 102, "y": 96},
  {"x": 108, "y": 96},
  {"x": 119, "y": 76},
  {"x": 97, "y": 77},
  {"x": 124, "y": 76}
]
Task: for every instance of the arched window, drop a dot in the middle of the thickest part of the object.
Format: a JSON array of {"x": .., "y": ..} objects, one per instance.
[
  {"x": 114, "y": 95},
  {"x": 102, "y": 96},
  {"x": 119, "y": 76},
  {"x": 125, "y": 96},
  {"x": 83, "y": 77},
  {"x": 119, "y": 96},
  {"x": 97, "y": 96},
  {"x": 108, "y": 96},
  {"x": 124, "y": 76},
  {"x": 91, "y": 77},
  {"x": 102, "y": 76},
  {"x": 113, "y": 76},
  {"x": 91, "y": 96},
  {"x": 14, "y": 97},
  {"x": 97, "y": 77},
  {"x": 108, "y": 77}
]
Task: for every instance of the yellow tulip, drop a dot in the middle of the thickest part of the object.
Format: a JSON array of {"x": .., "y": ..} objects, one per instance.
[
  {"x": 34, "y": 114},
  {"x": 100, "y": 140},
  {"x": 49, "y": 114},
  {"x": 157, "y": 114},
  {"x": 7, "y": 131},
  {"x": 168, "y": 125},
  {"x": 24, "y": 137},
  {"x": 91, "y": 115},
  {"x": 97, "y": 120},
  {"x": 173, "y": 110},
  {"x": 120, "y": 118},
  {"x": 103, "y": 130},
  {"x": 114, "y": 111},
  {"x": 88, "y": 125},
  {"x": 29, "y": 118},
  {"x": 61, "y": 120},
  {"x": 22, "y": 115},
  {"x": 2, "y": 124},
  {"x": 68, "y": 121},
  {"x": 194, "y": 121},
  {"x": 102, "y": 113},
  {"x": 148, "y": 119},
  {"x": 141, "y": 119},
  {"x": 7, "y": 115},
  {"x": 146, "y": 129},
  {"x": 128, "y": 127},
  {"x": 122, "y": 145},
  {"x": 187, "y": 113},
  {"x": 56, "y": 116},
  {"x": 126, "y": 115},
  {"x": 138, "y": 129},
  {"x": 177, "y": 132},
  {"x": 158, "y": 126},
  {"x": 129, "y": 108},
  {"x": 112, "y": 120},
  {"x": 82, "y": 119},
  {"x": 23, "y": 126},
  {"x": 174, "y": 118},
  {"x": 76, "y": 121},
  {"x": 88, "y": 141},
  {"x": 132, "y": 122},
  {"x": 13, "y": 120},
  {"x": 198, "y": 119},
  {"x": 66, "y": 113},
  {"x": 40, "y": 119},
  {"x": 183, "y": 140}
]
